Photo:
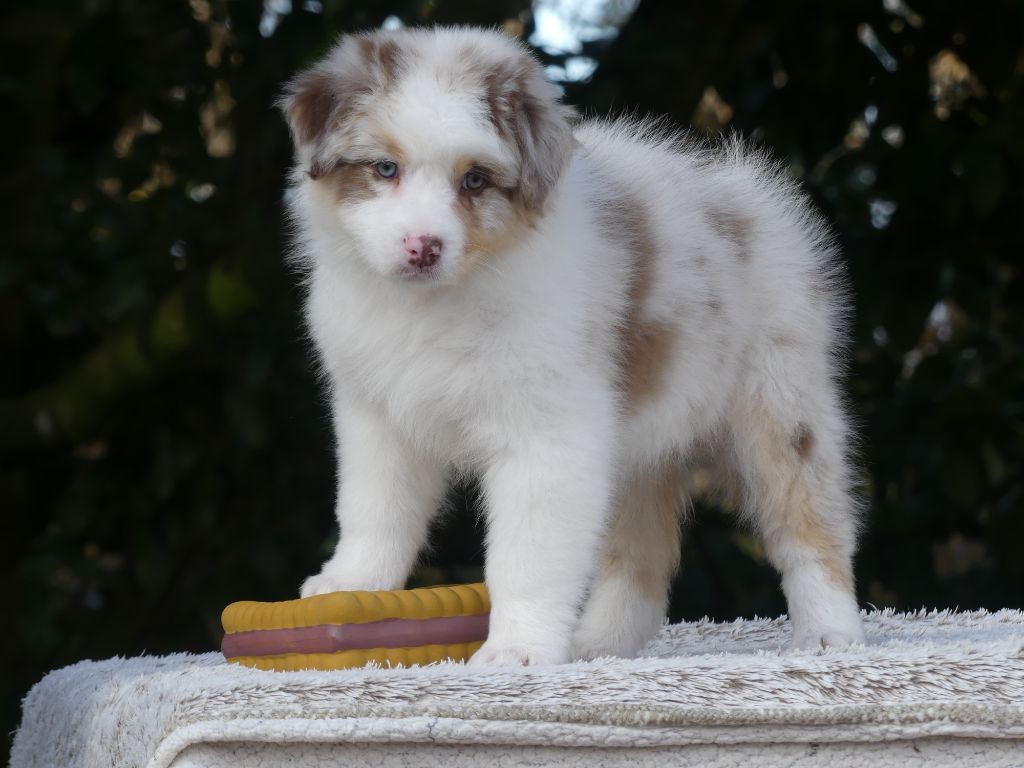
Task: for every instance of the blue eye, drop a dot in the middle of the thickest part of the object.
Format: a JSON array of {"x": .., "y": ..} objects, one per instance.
[
  {"x": 473, "y": 181},
  {"x": 386, "y": 169}
]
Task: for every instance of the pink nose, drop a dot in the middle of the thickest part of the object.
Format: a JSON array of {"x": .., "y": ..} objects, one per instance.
[{"x": 424, "y": 250}]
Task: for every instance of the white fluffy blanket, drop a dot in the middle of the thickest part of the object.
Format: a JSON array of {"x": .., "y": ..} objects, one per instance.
[{"x": 941, "y": 684}]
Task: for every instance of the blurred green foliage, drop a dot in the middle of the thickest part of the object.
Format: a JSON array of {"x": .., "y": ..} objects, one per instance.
[{"x": 164, "y": 447}]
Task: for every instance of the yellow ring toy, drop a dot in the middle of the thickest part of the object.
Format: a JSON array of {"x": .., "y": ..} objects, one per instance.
[{"x": 341, "y": 630}]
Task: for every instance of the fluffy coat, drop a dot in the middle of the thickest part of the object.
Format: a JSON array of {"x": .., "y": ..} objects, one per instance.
[{"x": 581, "y": 315}]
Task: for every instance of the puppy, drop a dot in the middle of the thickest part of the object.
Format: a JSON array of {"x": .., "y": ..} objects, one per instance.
[{"x": 572, "y": 313}]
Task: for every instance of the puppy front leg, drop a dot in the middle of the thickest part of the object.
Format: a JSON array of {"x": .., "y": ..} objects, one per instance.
[
  {"x": 547, "y": 504},
  {"x": 387, "y": 495}
]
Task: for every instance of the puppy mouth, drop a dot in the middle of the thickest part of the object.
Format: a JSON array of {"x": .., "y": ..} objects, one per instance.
[{"x": 419, "y": 274}]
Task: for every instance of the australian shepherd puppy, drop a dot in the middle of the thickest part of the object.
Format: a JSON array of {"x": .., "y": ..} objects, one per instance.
[{"x": 575, "y": 313}]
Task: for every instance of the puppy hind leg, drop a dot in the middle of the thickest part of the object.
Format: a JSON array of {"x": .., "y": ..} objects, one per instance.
[
  {"x": 629, "y": 597},
  {"x": 797, "y": 492}
]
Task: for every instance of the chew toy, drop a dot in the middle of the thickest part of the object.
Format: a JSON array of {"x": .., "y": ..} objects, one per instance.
[{"x": 349, "y": 629}]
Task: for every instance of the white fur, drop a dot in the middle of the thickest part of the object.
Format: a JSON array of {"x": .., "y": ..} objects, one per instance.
[{"x": 508, "y": 369}]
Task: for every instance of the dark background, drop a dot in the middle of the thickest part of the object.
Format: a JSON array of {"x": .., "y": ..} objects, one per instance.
[{"x": 164, "y": 448}]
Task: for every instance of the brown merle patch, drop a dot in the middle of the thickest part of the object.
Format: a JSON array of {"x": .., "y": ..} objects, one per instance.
[
  {"x": 525, "y": 113},
  {"x": 310, "y": 106},
  {"x": 383, "y": 57},
  {"x": 353, "y": 182},
  {"x": 734, "y": 227},
  {"x": 645, "y": 346},
  {"x": 803, "y": 441},
  {"x": 657, "y": 497}
]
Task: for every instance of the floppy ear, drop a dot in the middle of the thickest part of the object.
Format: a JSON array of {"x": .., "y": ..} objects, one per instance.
[
  {"x": 323, "y": 100},
  {"x": 526, "y": 107},
  {"x": 310, "y": 105}
]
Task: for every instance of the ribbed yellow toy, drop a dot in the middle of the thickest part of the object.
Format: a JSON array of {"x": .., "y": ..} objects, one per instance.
[{"x": 350, "y": 629}]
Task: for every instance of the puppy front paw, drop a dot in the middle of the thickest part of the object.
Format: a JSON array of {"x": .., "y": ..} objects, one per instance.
[
  {"x": 321, "y": 584},
  {"x": 498, "y": 654},
  {"x": 349, "y": 578},
  {"x": 328, "y": 581}
]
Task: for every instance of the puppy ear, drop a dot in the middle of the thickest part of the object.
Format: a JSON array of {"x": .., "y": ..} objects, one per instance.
[
  {"x": 526, "y": 108},
  {"x": 320, "y": 103},
  {"x": 310, "y": 105}
]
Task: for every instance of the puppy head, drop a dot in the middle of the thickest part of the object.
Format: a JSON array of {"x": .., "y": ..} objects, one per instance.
[{"x": 428, "y": 149}]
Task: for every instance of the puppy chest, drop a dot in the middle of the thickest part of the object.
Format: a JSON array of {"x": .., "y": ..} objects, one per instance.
[{"x": 467, "y": 394}]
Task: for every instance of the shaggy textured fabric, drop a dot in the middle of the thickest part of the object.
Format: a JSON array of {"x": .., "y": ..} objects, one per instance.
[
  {"x": 955, "y": 753},
  {"x": 949, "y": 685}
]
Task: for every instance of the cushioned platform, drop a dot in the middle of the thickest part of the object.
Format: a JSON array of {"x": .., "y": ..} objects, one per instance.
[{"x": 935, "y": 688}]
